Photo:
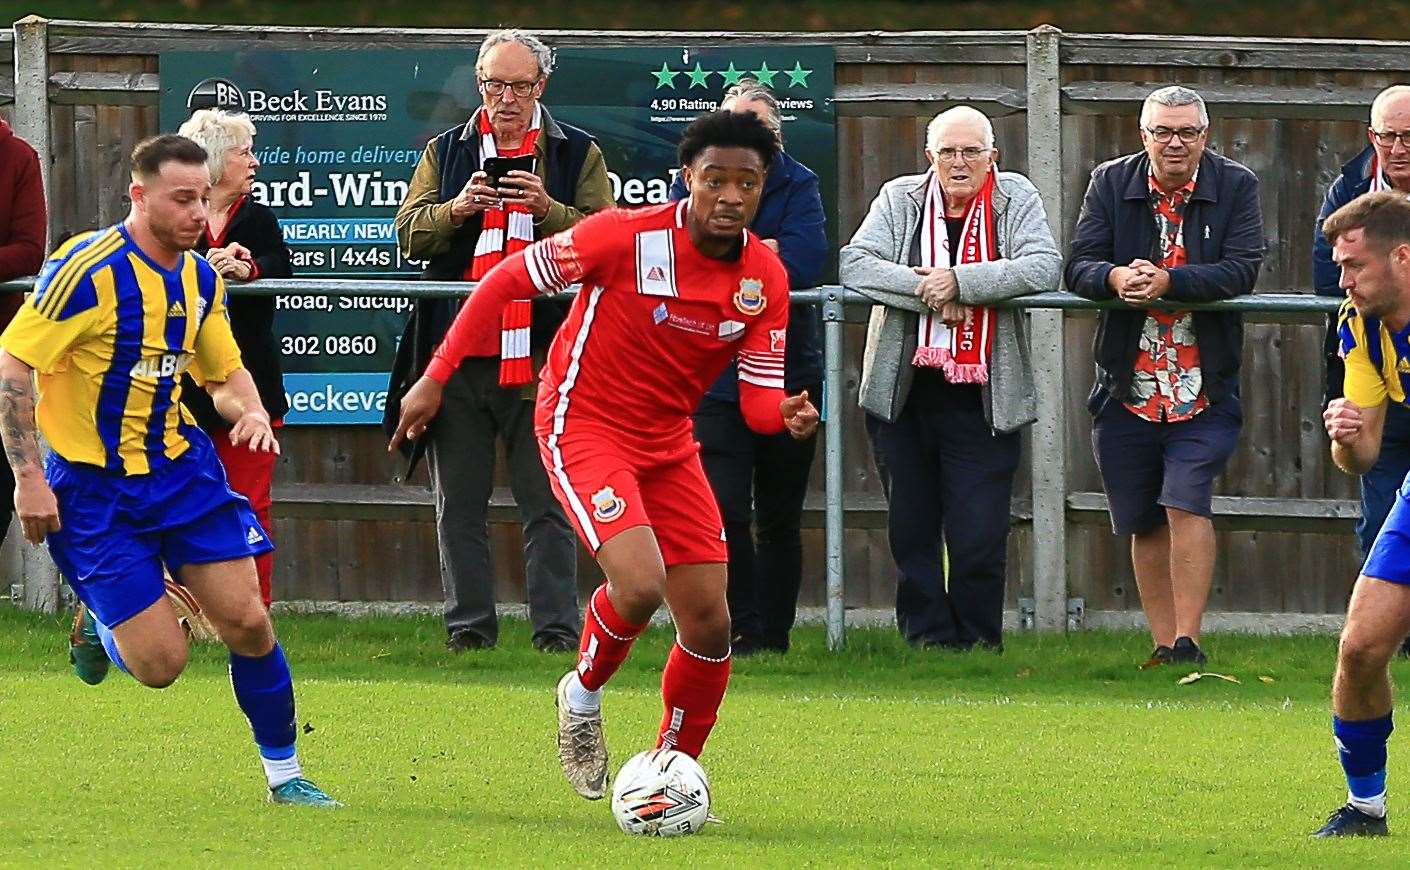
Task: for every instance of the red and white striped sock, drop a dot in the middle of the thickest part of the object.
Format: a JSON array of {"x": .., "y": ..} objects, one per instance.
[
  {"x": 692, "y": 687},
  {"x": 607, "y": 638}
]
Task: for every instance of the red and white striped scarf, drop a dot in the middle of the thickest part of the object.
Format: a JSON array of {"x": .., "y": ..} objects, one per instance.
[
  {"x": 506, "y": 230},
  {"x": 961, "y": 352}
]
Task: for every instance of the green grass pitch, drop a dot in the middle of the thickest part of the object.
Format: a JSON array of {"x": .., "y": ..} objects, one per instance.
[{"x": 1058, "y": 752}]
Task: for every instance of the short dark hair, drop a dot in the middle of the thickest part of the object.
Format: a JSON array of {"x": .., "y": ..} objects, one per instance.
[
  {"x": 728, "y": 130},
  {"x": 150, "y": 154},
  {"x": 1385, "y": 216}
]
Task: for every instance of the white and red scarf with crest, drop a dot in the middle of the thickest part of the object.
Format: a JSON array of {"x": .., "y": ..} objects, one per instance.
[{"x": 962, "y": 351}]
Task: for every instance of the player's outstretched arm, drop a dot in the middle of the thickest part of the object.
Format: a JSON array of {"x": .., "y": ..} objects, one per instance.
[
  {"x": 237, "y": 400},
  {"x": 35, "y": 504}
]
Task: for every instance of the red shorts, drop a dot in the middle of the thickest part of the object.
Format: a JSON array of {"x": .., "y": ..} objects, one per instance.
[{"x": 605, "y": 487}]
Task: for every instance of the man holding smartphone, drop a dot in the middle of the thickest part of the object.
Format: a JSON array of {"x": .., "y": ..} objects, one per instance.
[{"x": 482, "y": 191}]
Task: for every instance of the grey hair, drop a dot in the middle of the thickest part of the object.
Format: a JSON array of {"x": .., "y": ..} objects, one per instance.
[
  {"x": 218, "y": 131},
  {"x": 1379, "y": 103},
  {"x": 753, "y": 89},
  {"x": 964, "y": 114},
  {"x": 542, "y": 53},
  {"x": 1174, "y": 95}
]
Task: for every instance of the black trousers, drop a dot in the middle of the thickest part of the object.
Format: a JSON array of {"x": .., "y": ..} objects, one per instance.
[
  {"x": 948, "y": 474},
  {"x": 475, "y": 413},
  {"x": 759, "y": 481}
]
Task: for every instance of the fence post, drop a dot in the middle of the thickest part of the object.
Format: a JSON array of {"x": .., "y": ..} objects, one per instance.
[
  {"x": 1044, "y": 87},
  {"x": 31, "y": 113},
  {"x": 38, "y": 576},
  {"x": 833, "y": 317}
]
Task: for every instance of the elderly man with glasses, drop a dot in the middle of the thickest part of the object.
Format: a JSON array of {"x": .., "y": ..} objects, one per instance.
[
  {"x": 1179, "y": 223},
  {"x": 1384, "y": 164},
  {"x": 946, "y": 381},
  {"x": 466, "y": 210}
]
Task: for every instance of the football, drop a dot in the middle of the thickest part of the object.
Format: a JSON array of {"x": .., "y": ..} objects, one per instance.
[{"x": 661, "y": 793}]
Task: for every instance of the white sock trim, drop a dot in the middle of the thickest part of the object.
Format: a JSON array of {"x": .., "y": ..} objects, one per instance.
[
  {"x": 1375, "y": 806},
  {"x": 280, "y": 770},
  {"x": 696, "y": 655},
  {"x": 581, "y": 699}
]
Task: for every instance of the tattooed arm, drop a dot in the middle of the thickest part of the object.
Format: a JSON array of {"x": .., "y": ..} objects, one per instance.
[{"x": 35, "y": 504}]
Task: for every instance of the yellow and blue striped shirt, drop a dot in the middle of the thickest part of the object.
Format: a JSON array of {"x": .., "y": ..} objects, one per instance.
[
  {"x": 1377, "y": 359},
  {"x": 110, "y": 332}
]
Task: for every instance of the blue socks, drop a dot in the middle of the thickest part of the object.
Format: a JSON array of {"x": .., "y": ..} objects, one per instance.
[
  {"x": 105, "y": 634},
  {"x": 264, "y": 689},
  {"x": 1361, "y": 745}
]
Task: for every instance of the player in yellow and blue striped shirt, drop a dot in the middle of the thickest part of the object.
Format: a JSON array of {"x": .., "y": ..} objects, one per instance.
[
  {"x": 1370, "y": 238},
  {"x": 132, "y": 484}
]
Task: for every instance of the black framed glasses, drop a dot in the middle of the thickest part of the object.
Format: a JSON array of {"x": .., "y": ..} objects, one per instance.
[
  {"x": 1188, "y": 135},
  {"x": 495, "y": 87},
  {"x": 969, "y": 155},
  {"x": 1388, "y": 138}
]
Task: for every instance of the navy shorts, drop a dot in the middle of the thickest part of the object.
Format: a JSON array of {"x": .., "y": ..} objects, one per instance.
[
  {"x": 118, "y": 531},
  {"x": 1390, "y": 554},
  {"x": 1147, "y": 467}
]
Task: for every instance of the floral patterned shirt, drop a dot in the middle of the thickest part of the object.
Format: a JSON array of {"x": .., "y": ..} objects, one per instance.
[{"x": 1167, "y": 385}]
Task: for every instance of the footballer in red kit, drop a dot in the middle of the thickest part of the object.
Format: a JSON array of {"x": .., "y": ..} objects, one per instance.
[{"x": 669, "y": 295}]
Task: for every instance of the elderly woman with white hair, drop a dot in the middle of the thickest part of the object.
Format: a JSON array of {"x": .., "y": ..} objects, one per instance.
[
  {"x": 946, "y": 379},
  {"x": 243, "y": 242}
]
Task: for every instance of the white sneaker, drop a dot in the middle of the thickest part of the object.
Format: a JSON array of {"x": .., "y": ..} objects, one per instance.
[{"x": 582, "y": 748}]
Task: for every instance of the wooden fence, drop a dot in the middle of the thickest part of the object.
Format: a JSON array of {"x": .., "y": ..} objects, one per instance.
[{"x": 1293, "y": 110}]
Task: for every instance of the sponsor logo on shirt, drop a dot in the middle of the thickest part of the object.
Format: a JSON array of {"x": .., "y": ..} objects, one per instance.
[
  {"x": 777, "y": 340},
  {"x": 689, "y": 324},
  {"x": 176, "y": 309},
  {"x": 165, "y": 366},
  {"x": 606, "y": 506},
  {"x": 659, "y": 314},
  {"x": 750, "y": 299},
  {"x": 731, "y": 330}
]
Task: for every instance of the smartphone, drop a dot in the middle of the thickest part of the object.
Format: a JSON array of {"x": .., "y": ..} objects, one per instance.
[{"x": 498, "y": 167}]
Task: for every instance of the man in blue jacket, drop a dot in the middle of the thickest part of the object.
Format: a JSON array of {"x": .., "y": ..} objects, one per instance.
[
  {"x": 1179, "y": 223},
  {"x": 1383, "y": 165},
  {"x": 761, "y": 479}
]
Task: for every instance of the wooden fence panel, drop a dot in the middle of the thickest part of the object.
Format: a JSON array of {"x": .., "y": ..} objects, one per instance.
[{"x": 1296, "y": 150}]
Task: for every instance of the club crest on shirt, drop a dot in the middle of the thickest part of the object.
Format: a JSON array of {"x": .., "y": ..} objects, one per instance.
[
  {"x": 606, "y": 506},
  {"x": 750, "y": 297}
]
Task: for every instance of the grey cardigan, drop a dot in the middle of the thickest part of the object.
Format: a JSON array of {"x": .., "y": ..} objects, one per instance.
[{"x": 875, "y": 263}]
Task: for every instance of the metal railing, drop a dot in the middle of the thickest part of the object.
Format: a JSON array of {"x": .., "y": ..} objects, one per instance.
[{"x": 835, "y": 301}]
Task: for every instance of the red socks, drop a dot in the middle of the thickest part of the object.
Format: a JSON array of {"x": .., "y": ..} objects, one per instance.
[
  {"x": 692, "y": 687},
  {"x": 607, "y": 638}
]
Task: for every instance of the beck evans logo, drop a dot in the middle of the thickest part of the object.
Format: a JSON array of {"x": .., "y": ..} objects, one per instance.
[{"x": 218, "y": 93}]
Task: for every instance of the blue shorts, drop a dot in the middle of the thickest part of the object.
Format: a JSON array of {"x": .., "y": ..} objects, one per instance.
[
  {"x": 1389, "y": 559},
  {"x": 118, "y": 531},
  {"x": 1147, "y": 467}
]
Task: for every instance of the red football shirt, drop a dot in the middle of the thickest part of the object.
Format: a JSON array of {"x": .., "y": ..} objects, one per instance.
[{"x": 655, "y": 323}]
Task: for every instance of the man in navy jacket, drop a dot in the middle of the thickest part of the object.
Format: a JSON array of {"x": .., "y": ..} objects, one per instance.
[
  {"x": 761, "y": 479},
  {"x": 1179, "y": 223},
  {"x": 1383, "y": 165}
]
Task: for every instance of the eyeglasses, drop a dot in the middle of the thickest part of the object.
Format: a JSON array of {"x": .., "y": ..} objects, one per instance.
[
  {"x": 495, "y": 87},
  {"x": 1388, "y": 138},
  {"x": 969, "y": 155},
  {"x": 1188, "y": 135}
]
